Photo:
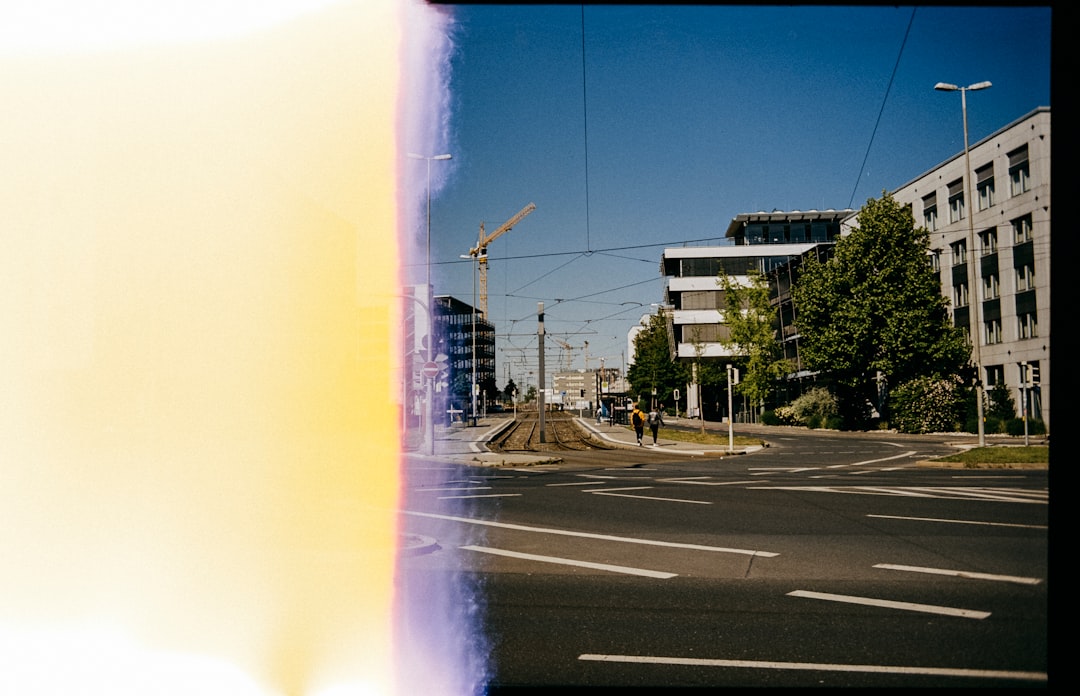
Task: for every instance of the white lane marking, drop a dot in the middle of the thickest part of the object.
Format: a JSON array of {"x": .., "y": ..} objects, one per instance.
[
  {"x": 939, "y": 519},
  {"x": 821, "y": 667},
  {"x": 619, "y": 490},
  {"x": 566, "y": 561},
  {"x": 961, "y": 574},
  {"x": 873, "y": 461},
  {"x": 707, "y": 483},
  {"x": 650, "y": 497},
  {"x": 575, "y": 483},
  {"x": 487, "y": 495},
  {"x": 890, "y": 604},
  {"x": 1003, "y": 495},
  {"x": 590, "y": 535},
  {"x": 444, "y": 490}
]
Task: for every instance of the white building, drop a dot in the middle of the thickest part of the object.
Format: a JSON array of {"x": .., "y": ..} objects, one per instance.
[{"x": 1010, "y": 218}]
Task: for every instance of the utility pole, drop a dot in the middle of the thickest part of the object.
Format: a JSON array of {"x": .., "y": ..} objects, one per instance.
[{"x": 540, "y": 391}]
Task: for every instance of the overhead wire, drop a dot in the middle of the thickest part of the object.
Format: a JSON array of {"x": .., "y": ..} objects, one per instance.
[{"x": 884, "y": 99}]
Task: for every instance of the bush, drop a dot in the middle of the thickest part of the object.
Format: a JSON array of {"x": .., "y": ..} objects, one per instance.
[
  {"x": 1015, "y": 427},
  {"x": 926, "y": 405},
  {"x": 814, "y": 408},
  {"x": 770, "y": 418}
]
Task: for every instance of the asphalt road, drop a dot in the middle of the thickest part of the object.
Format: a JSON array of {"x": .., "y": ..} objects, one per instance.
[{"x": 826, "y": 559}]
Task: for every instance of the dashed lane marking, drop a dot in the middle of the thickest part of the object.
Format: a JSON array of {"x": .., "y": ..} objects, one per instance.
[
  {"x": 891, "y": 604},
  {"x": 570, "y": 562},
  {"x": 822, "y": 667}
]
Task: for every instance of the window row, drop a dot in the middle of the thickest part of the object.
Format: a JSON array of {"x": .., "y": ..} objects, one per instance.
[
  {"x": 988, "y": 243},
  {"x": 1023, "y": 276},
  {"x": 985, "y": 192},
  {"x": 1027, "y": 326}
]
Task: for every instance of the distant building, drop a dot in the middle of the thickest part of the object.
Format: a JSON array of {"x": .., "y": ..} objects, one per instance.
[
  {"x": 1010, "y": 170},
  {"x": 454, "y": 321},
  {"x": 763, "y": 242}
]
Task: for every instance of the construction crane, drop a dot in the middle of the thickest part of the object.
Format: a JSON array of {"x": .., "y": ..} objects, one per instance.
[
  {"x": 567, "y": 354},
  {"x": 479, "y": 252}
]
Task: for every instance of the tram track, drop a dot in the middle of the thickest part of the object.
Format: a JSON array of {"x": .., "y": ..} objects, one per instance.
[{"x": 560, "y": 433}]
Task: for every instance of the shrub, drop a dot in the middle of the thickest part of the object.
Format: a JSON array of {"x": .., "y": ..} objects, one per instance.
[
  {"x": 1015, "y": 427},
  {"x": 786, "y": 415},
  {"x": 815, "y": 407},
  {"x": 926, "y": 405},
  {"x": 770, "y": 418},
  {"x": 1001, "y": 406}
]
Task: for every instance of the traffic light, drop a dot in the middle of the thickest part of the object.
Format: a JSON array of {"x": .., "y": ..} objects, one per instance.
[
  {"x": 582, "y": 392},
  {"x": 1035, "y": 373}
]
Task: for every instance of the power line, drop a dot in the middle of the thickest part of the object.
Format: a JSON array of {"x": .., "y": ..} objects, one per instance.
[{"x": 882, "y": 109}]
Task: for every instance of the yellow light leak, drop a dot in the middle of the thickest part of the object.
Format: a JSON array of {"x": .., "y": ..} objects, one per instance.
[{"x": 198, "y": 447}]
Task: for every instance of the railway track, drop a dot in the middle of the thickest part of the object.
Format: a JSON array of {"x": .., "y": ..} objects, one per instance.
[{"x": 561, "y": 433}]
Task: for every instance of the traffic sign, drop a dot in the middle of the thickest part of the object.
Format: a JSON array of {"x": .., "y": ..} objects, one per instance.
[{"x": 430, "y": 369}]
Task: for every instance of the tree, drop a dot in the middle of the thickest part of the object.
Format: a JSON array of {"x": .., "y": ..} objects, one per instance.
[
  {"x": 876, "y": 306},
  {"x": 751, "y": 322},
  {"x": 653, "y": 366},
  {"x": 508, "y": 391}
]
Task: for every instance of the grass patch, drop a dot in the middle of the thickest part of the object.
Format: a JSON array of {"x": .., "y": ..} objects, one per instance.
[
  {"x": 1032, "y": 454},
  {"x": 707, "y": 438}
]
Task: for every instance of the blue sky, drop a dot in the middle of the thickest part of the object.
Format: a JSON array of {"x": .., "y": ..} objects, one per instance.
[{"x": 638, "y": 127}]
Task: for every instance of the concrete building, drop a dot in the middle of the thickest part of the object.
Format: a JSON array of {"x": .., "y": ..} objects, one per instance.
[
  {"x": 763, "y": 242},
  {"x": 1005, "y": 198}
]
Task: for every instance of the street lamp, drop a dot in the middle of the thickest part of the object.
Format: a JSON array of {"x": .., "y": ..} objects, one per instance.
[
  {"x": 429, "y": 421},
  {"x": 476, "y": 260},
  {"x": 972, "y": 273}
]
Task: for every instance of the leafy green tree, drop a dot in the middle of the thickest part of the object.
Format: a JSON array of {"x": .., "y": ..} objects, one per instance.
[
  {"x": 752, "y": 322},
  {"x": 653, "y": 366},
  {"x": 876, "y": 305},
  {"x": 508, "y": 391}
]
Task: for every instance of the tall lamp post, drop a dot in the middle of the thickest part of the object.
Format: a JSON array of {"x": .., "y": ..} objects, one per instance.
[
  {"x": 429, "y": 416},
  {"x": 973, "y": 278}
]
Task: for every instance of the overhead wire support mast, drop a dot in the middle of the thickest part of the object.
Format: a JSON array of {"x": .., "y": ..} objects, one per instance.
[{"x": 479, "y": 252}]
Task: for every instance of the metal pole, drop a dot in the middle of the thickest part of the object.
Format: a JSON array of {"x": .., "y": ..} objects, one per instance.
[
  {"x": 429, "y": 383},
  {"x": 429, "y": 386},
  {"x": 474, "y": 345},
  {"x": 730, "y": 419},
  {"x": 540, "y": 391},
  {"x": 973, "y": 278}
]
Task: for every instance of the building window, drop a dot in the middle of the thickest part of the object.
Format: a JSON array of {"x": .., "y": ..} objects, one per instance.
[
  {"x": 1028, "y": 325},
  {"x": 984, "y": 184},
  {"x": 959, "y": 252},
  {"x": 1022, "y": 230},
  {"x": 993, "y": 331},
  {"x": 988, "y": 241},
  {"x": 935, "y": 260},
  {"x": 929, "y": 212},
  {"x": 995, "y": 374},
  {"x": 1025, "y": 277},
  {"x": 1019, "y": 173},
  {"x": 960, "y": 295},
  {"x": 991, "y": 289},
  {"x": 956, "y": 201}
]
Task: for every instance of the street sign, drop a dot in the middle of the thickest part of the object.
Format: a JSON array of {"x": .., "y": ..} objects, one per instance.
[{"x": 430, "y": 370}]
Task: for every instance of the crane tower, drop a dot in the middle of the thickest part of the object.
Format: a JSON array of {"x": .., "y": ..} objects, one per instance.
[{"x": 479, "y": 252}]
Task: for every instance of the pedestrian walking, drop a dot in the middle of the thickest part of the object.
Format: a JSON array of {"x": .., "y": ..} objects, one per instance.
[
  {"x": 656, "y": 419},
  {"x": 637, "y": 419}
]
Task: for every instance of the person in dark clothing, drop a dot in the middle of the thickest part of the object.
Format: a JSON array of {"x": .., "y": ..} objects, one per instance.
[
  {"x": 637, "y": 419},
  {"x": 656, "y": 419}
]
